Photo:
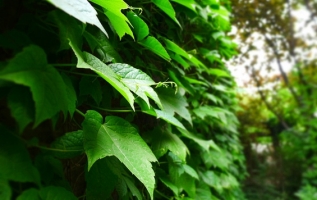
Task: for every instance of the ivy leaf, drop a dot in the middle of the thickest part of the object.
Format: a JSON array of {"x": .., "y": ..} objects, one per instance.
[
  {"x": 187, "y": 182},
  {"x": 175, "y": 48},
  {"x": 105, "y": 72},
  {"x": 137, "y": 81},
  {"x": 71, "y": 94},
  {"x": 190, "y": 171},
  {"x": 160, "y": 114},
  {"x": 174, "y": 103},
  {"x": 30, "y": 68},
  {"x": 103, "y": 46},
  {"x": 140, "y": 28},
  {"x": 101, "y": 181},
  {"x": 205, "y": 144},
  {"x": 116, "y": 137},
  {"x": 56, "y": 193},
  {"x": 167, "y": 8},
  {"x": 21, "y": 105},
  {"x": 69, "y": 145},
  {"x": 155, "y": 46},
  {"x": 30, "y": 194},
  {"x": 132, "y": 187},
  {"x": 5, "y": 189},
  {"x": 18, "y": 165},
  {"x": 81, "y": 10},
  {"x": 118, "y": 20},
  {"x": 164, "y": 140},
  {"x": 191, "y": 4}
]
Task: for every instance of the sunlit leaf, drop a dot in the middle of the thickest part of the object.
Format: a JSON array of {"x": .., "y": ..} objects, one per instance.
[
  {"x": 81, "y": 10},
  {"x": 113, "y": 11},
  {"x": 154, "y": 45},
  {"x": 140, "y": 28},
  {"x": 137, "y": 81},
  {"x": 167, "y": 8}
]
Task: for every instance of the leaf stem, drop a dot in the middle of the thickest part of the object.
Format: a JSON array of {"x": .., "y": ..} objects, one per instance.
[
  {"x": 78, "y": 73},
  {"x": 161, "y": 194},
  {"x": 117, "y": 111},
  {"x": 64, "y": 65},
  {"x": 79, "y": 112}
]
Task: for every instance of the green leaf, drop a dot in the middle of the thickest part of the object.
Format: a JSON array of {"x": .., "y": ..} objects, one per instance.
[
  {"x": 190, "y": 171},
  {"x": 102, "y": 45},
  {"x": 116, "y": 137},
  {"x": 218, "y": 72},
  {"x": 164, "y": 140},
  {"x": 5, "y": 189},
  {"x": 167, "y": 8},
  {"x": 69, "y": 145},
  {"x": 174, "y": 103},
  {"x": 175, "y": 48},
  {"x": 137, "y": 81},
  {"x": 160, "y": 114},
  {"x": 30, "y": 68},
  {"x": 113, "y": 11},
  {"x": 191, "y": 4},
  {"x": 91, "y": 86},
  {"x": 101, "y": 181},
  {"x": 205, "y": 144},
  {"x": 18, "y": 165},
  {"x": 132, "y": 187},
  {"x": 21, "y": 105},
  {"x": 56, "y": 193},
  {"x": 166, "y": 181},
  {"x": 30, "y": 194},
  {"x": 105, "y": 72},
  {"x": 187, "y": 182},
  {"x": 81, "y": 10},
  {"x": 140, "y": 28},
  {"x": 215, "y": 159},
  {"x": 155, "y": 46},
  {"x": 71, "y": 94}
]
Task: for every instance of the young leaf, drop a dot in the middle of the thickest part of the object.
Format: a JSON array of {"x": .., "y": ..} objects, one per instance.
[
  {"x": 69, "y": 145},
  {"x": 140, "y": 28},
  {"x": 81, "y": 10},
  {"x": 101, "y": 181},
  {"x": 30, "y": 68},
  {"x": 105, "y": 72},
  {"x": 53, "y": 192},
  {"x": 167, "y": 8},
  {"x": 113, "y": 11},
  {"x": 155, "y": 46},
  {"x": 18, "y": 165},
  {"x": 116, "y": 137},
  {"x": 174, "y": 103},
  {"x": 137, "y": 81}
]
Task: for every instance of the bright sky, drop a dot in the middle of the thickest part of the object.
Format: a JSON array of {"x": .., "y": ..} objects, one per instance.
[{"x": 304, "y": 30}]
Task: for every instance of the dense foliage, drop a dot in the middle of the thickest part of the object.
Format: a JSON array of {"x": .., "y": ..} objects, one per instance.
[{"x": 117, "y": 99}]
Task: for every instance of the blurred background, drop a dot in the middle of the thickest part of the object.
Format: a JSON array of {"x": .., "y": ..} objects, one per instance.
[{"x": 276, "y": 76}]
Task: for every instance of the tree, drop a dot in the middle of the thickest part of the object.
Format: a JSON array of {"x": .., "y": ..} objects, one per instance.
[{"x": 292, "y": 99}]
